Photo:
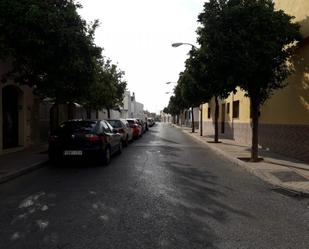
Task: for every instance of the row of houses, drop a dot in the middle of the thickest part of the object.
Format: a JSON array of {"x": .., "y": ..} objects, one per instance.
[
  {"x": 25, "y": 119},
  {"x": 284, "y": 118}
]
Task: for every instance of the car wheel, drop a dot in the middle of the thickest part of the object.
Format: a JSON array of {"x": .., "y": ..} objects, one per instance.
[
  {"x": 120, "y": 148},
  {"x": 53, "y": 157},
  {"x": 126, "y": 141},
  {"x": 107, "y": 156}
]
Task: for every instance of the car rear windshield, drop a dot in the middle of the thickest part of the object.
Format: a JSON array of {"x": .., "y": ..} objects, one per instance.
[
  {"x": 77, "y": 127},
  {"x": 115, "y": 123},
  {"x": 131, "y": 121}
]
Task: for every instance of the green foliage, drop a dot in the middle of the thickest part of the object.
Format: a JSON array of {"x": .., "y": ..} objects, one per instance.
[
  {"x": 165, "y": 110},
  {"x": 259, "y": 42},
  {"x": 108, "y": 88},
  {"x": 245, "y": 43},
  {"x": 193, "y": 81},
  {"x": 176, "y": 104},
  {"x": 48, "y": 45},
  {"x": 212, "y": 61}
]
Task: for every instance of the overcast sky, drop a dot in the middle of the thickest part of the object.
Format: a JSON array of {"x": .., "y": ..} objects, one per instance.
[{"x": 137, "y": 35}]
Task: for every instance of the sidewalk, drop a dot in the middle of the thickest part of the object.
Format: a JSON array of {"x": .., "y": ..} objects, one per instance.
[
  {"x": 22, "y": 162},
  {"x": 280, "y": 171}
]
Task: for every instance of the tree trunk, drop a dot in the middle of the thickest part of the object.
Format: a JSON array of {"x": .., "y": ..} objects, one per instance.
[
  {"x": 255, "y": 107},
  {"x": 193, "y": 128},
  {"x": 108, "y": 113},
  {"x": 54, "y": 117},
  {"x": 181, "y": 117},
  {"x": 201, "y": 121},
  {"x": 216, "y": 120}
]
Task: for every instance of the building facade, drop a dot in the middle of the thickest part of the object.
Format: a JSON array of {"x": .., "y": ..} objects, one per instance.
[
  {"x": 284, "y": 118},
  {"x": 21, "y": 113}
]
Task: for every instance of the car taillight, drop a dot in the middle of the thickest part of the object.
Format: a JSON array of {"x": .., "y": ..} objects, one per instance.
[
  {"x": 121, "y": 130},
  {"x": 92, "y": 137},
  {"x": 52, "y": 138}
]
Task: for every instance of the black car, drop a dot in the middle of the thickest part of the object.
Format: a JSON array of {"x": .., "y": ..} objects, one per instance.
[{"x": 92, "y": 139}]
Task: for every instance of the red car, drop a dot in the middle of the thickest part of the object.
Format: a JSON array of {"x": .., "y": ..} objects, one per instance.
[{"x": 137, "y": 129}]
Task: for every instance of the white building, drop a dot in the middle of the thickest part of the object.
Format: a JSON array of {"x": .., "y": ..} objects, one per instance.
[
  {"x": 137, "y": 109},
  {"x": 125, "y": 110},
  {"x": 131, "y": 108}
]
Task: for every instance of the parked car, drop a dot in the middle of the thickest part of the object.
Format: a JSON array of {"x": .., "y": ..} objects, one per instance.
[
  {"x": 142, "y": 124},
  {"x": 91, "y": 139},
  {"x": 150, "y": 122},
  {"x": 123, "y": 128},
  {"x": 137, "y": 128}
]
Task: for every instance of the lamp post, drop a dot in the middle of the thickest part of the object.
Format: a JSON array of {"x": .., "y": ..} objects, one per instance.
[
  {"x": 175, "y": 45},
  {"x": 170, "y": 82}
]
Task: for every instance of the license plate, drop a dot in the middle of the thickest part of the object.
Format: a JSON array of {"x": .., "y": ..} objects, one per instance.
[{"x": 73, "y": 153}]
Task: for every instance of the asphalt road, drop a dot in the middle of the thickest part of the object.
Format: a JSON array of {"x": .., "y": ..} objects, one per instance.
[{"x": 164, "y": 191}]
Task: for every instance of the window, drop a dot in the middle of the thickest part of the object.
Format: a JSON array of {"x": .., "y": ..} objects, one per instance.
[
  {"x": 106, "y": 128},
  {"x": 110, "y": 127},
  {"x": 236, "y": 109},
  {"x": 77, "y": 127},
  {"x": 228, "y": 108},
  {"x": 208, "y": 114},
  {"x": 115, "y": 123}
]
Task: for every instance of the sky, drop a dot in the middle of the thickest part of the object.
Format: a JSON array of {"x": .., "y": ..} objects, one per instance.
[{"x": 137, "y": 36}]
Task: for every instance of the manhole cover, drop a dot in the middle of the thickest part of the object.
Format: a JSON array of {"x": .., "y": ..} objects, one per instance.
[{"x": 289, "y": 176}]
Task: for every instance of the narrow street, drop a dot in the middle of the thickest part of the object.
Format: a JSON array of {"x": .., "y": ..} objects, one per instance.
[{"x": 165, "y": 191}]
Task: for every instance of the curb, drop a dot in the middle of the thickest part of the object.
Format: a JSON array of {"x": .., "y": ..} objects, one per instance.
[
  {"x": 23, "y": 171},
  {"x": 243, "y": 165}
]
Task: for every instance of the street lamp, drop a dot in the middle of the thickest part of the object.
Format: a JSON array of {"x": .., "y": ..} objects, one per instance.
[{"x": 175, "y": 45}]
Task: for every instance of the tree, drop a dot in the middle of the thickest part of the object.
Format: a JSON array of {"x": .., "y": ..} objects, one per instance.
[
  {"x": 108, "y": 88},
  {"x": 259, "y": 41},
  {"x": 48, "y": 45},
  {"x": 176, "y": 104},
  {"x": 191, "y": 91},
  {"x": 212, "y": 66}
]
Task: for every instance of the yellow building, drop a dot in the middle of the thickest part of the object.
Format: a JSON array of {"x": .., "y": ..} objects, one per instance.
[
  {"x": 16, "y": 112},
  {"x": 284, "y": 119},
  {"x": 24, "y": 118}
]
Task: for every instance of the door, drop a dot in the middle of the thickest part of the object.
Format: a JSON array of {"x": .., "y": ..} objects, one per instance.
[
  {"x": 223, "y": 118},
  {"x": 110, "y": 136},
  {"x": 116, "y": 137},
  {"x": 10, "y": 116}
]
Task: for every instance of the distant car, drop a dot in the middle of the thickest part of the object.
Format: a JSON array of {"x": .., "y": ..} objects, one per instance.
[
  {"x": 92, "y": 139},
  {"x": 123, "y": 128},
  {"x": 150, "y": 122},
  {"x": 137, "y": 128}
]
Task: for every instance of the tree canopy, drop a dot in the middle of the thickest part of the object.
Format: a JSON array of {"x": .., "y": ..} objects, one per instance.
[
  {"x": 49, "y": 46},
  {"x": 246, "y": 43}
]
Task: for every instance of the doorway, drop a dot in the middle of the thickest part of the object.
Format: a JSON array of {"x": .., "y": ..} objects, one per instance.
[{"x": 10, "y": 116}]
